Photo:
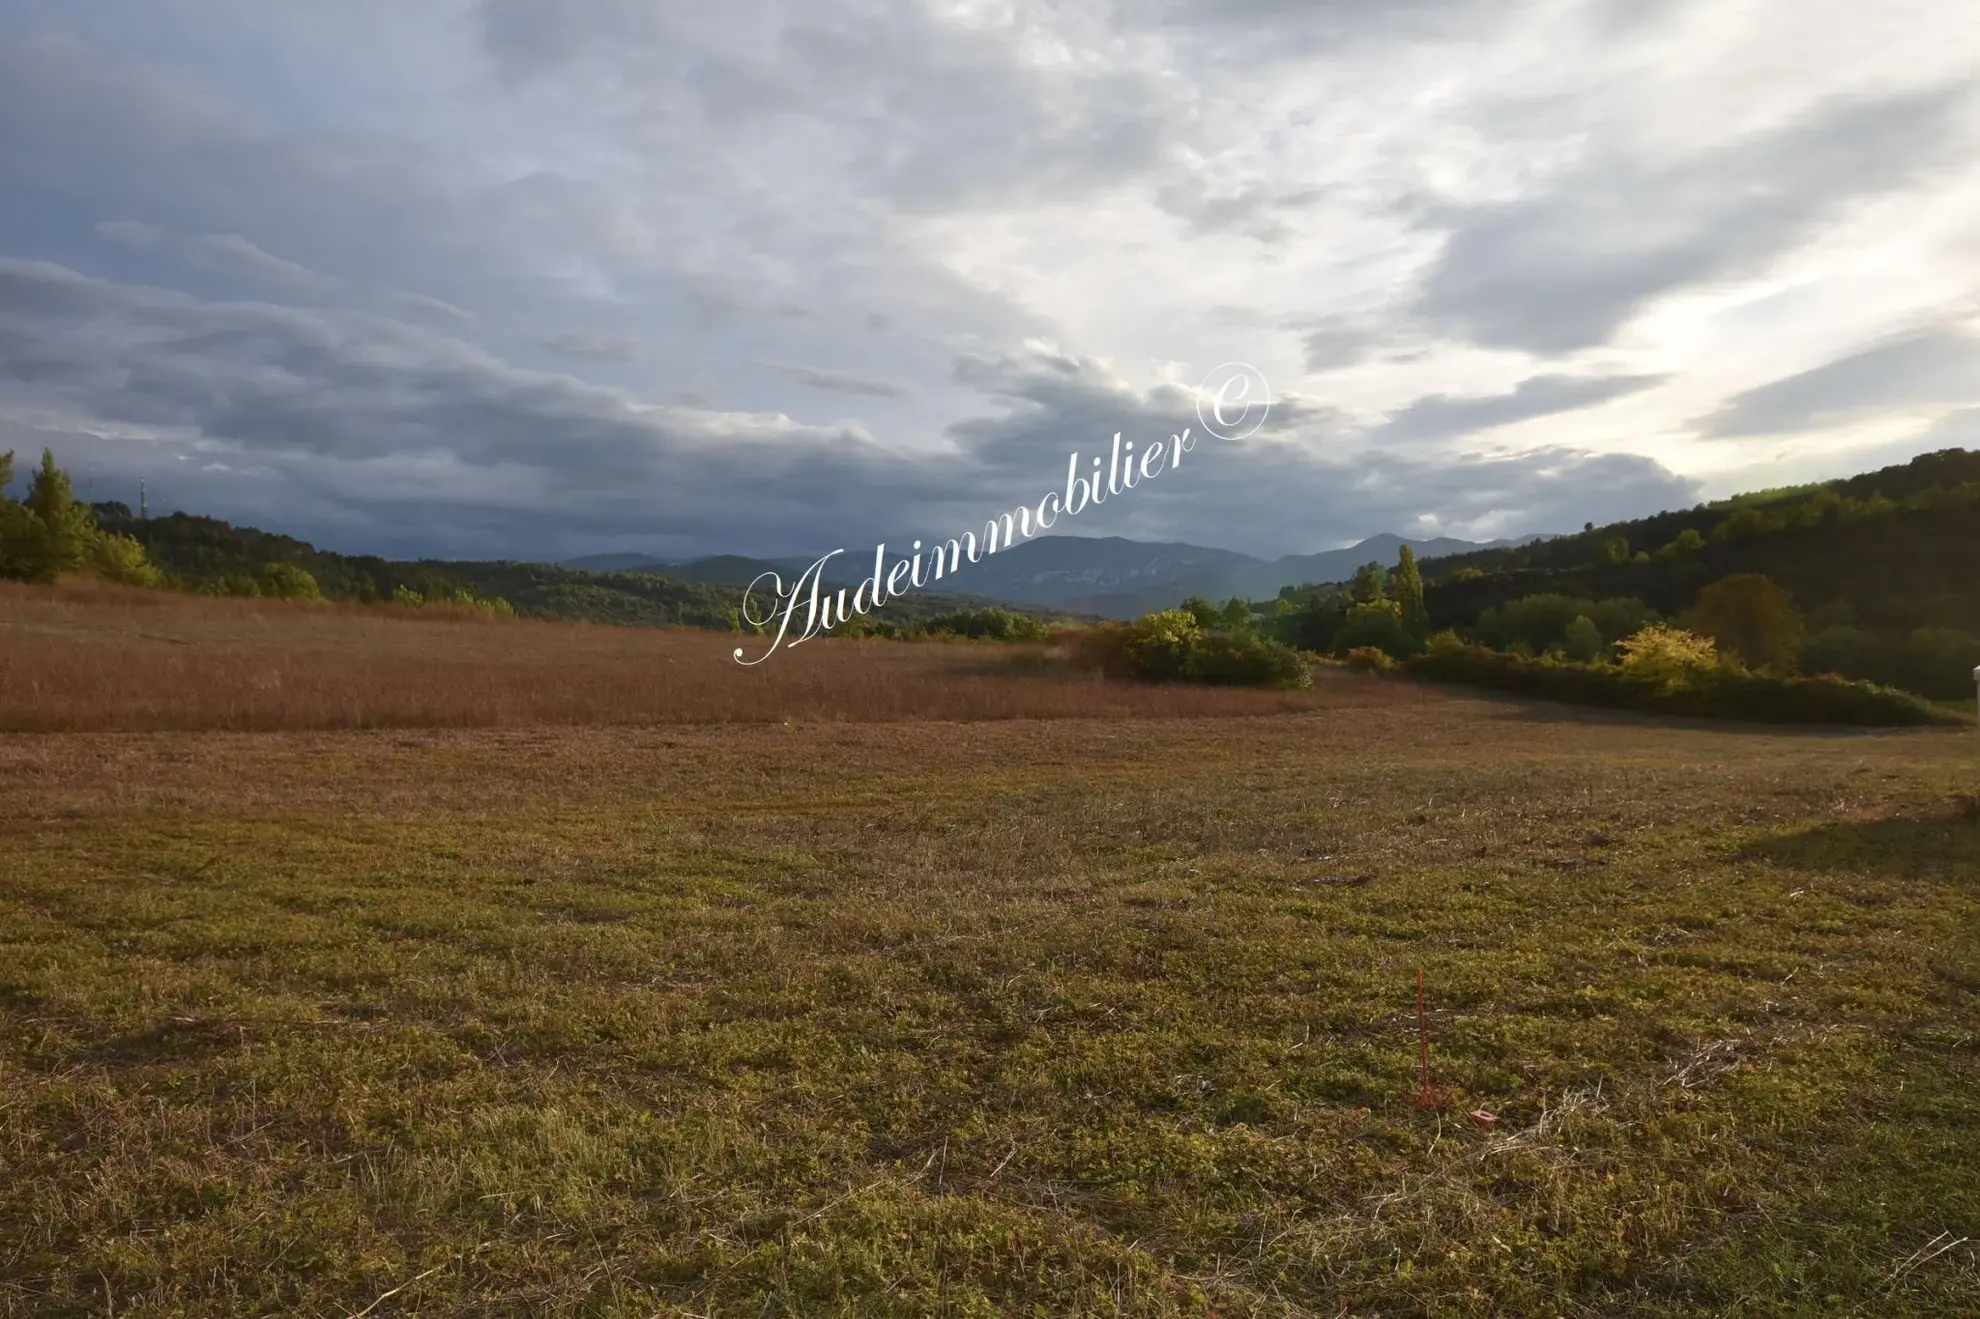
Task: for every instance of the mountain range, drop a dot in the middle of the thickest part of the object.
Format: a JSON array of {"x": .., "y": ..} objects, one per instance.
[{"x": 1104, "y": 575}]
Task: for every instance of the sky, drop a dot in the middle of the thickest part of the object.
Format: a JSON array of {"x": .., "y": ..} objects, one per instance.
[{"x": 542, "y": 278}]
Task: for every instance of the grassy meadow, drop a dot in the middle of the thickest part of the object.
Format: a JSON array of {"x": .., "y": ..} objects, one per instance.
[{"x": 362, "y": 964}]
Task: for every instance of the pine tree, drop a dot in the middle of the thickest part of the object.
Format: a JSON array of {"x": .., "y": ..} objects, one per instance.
[
  {"x": 1409, "y": 594},
  {"x": 64, "y": 533}
]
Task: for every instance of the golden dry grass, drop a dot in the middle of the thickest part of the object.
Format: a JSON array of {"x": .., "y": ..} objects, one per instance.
[{"x": 77, "y": 658}]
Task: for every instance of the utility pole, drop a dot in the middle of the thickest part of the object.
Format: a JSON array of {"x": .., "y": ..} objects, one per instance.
[{"x": 141, "y": 506}]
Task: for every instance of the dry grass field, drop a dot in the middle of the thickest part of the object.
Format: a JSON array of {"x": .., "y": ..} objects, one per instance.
[
  {"x": 531, "y": 970},
  {"x": 83, "y": 657}
]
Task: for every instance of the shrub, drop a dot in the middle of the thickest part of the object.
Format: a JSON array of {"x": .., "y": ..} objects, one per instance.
[
  {"x": 286, "y": 581},
  {"x": 1369, "y": 659},
  {"x": 121, "y": 559},
  {"x": 1244, "y": 659},
  {"x": 1666, "y": 657},
  {"x": 991, "y": 623},
  {"x": 1170, "y": 646},
  {"x": 1716, "y": 691}
]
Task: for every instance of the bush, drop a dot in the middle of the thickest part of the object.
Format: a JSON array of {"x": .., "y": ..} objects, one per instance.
[
  {"x": 285, "y": 581},
  {"x": 1688, "y": 688},
  {"x": 1369, "y": 659},
  {"x": 1245, "y": 659},
  {"x": 1171, "y": 646},
  {"x": 991, "y": 623},
  {"x": 1666, "y": 658},
  {"x": 121, "y": 559}
]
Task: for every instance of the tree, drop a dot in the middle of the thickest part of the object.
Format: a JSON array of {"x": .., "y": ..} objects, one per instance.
[
  {"x": 1582, "y": 640},
  {"x": 1686, "y": 542},
  {"x": 16, "y": 525},
  {"x": 1409, "y": 595},
  {"x": 1371, "y": 583},
  {"x": 1377, "y": 624},
  {"x": 1205, "y": 613},
  {"x": 1236, "y": 615},
  {"x": 1667, "y": 657},
  {"x": 286, "y": 581},
  {"x": 59, "y": 539},
  {"x": 1753, "y": 618},
  {"x": 1615, "y": 550},
  {"x": 121, "y": 559}
]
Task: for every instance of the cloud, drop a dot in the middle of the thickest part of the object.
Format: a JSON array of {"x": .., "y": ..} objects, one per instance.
[
  {"x": 131, "y": 233},
  {"x": 236, "y": 255},
  {"x": 1926, "y": 367},
  {"x": 598, "y": 347},
  {"x": 436, "y": 309},
  {"x": 1564, "y": 267},
  {"x": 843, "y": 382},
  {"x": 1442, "y": 416}
]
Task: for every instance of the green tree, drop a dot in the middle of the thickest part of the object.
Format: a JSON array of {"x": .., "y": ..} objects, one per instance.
[
  {"x": 1409, "y": 595},
  {"x": 120, "y": 559},
  {"x": 1582, "y": 640},
  {"x": 1377, "y": 624},
  {"x": 1236, "y": 614},
  {"x": 1615, "y": 550},
  {"x": 1686, "y": 542},
  {"x": 1205, "y": 613},
  {"x": 1371, "y": 583},
  {"x": 1753, "y": 618},
  {"x": 16, "y": 525},
  {"x": 286, "y": 581},
  {"x": 62, "y": 531}
]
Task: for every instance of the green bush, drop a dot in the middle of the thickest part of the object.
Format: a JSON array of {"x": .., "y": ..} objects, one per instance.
[
  {"x": 1171, "y": 646},
  {"x": 990, "y": 623},
  {"x": 1245, "y": 659},
  {"x": 285, "y": 581},
  {"x": 1690, "y": 688}
]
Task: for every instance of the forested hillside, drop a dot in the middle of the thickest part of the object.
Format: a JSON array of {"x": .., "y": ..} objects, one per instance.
[
  {"x": 202, "y": 553},
  {"x": 1881, "y": 575}
]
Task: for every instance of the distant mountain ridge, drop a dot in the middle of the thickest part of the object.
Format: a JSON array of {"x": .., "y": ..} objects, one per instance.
[
  {"x": 1119, "y": 578},
  {"x": 1106, "y": 575}
]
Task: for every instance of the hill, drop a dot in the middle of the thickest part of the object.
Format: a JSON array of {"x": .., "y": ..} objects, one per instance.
[
  {"x": 1118, "y": 578},
  {"x": 1883, "y": 570},
  {"x": 221, "y": 558}
]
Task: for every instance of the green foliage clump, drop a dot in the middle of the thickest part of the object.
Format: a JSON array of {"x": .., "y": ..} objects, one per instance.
[
  {"x": 286, "y": 581},
  {"x": 1583, "y": 640},
  {"x": 1378, "y": 625},
  {"x": 48, "y": 534},
  {"x": 1171, "y": 646},
  {"x": 990, "y": 623},
  {"x": 1750, "y": 616},
  {"x": 1667, "y": 671}
]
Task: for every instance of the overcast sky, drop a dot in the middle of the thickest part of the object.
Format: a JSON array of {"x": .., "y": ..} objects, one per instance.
[{"x": 538, "y": 278}]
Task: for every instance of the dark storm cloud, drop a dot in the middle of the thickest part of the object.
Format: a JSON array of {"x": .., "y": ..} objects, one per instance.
[
  {"x": 1562, "y": 269},
  {"x": 1305, "y": 471}
]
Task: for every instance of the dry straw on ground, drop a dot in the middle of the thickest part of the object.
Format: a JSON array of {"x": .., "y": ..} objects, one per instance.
[{"x": 80, "y": 658}]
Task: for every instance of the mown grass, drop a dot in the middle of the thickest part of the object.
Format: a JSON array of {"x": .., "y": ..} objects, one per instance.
[{"x": 1013, "y": 1017}]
